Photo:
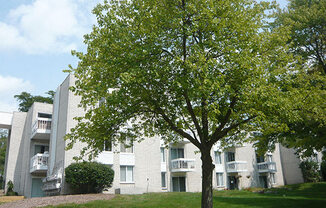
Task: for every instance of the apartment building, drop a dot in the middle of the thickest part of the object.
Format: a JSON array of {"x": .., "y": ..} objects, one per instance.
[{"x": 36, "y": 157}]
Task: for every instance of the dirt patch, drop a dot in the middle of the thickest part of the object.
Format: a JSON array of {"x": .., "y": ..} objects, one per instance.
[
  {"x": 4, "y": 199},
  {"x": 56, "y": 200}
]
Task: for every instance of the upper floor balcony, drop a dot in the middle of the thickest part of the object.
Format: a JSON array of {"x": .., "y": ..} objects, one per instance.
[
  {"x": 182, "y": 165},
  {"x": 236, "y": 166},
  {"x": 41, "y": 128},
  {"x": 265, "y": 167},
  {"x": 39, "y": 163}
]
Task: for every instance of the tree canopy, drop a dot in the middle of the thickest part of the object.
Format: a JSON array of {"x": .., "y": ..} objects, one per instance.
[
  {"x": 203, "y": 70},
  {"x": 26, "y": 100},
  {"x": 306, "y": 21}
]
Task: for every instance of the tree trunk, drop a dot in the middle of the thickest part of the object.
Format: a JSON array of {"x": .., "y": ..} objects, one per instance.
[{"x": 207, "y": 179}]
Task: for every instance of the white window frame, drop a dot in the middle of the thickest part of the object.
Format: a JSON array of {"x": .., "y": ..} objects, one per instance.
[
  {"x": 163, "y": 173},
  {"x": 217, "y": 180},
  {"x": 127, "y": 179},
  {"x": 220, "y": 157},
  {"x": 163, "y": 157},
  {"x": 123, "y": 147},
  {"x": 272, "y": 178}
]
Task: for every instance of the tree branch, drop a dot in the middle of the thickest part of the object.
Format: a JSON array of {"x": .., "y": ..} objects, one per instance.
[
  {"x": 176, "y": 129},
  {"x": 193, "y": 116},
  {"x": 226, "y": 118}
]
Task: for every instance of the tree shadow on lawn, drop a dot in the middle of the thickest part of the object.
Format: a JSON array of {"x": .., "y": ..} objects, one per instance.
[
  {"x": 306, "y": 190},
  {"x": 267, "y": 202},
  {"x": 299, "y": 195}
]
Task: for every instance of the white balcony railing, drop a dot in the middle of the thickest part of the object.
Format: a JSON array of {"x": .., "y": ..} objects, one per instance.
[
  {"x": 236, "y": 166},
  {"x": 266, "y": 167},
  {"x": 182, "y": 165},
  {"x": 39, "y": 163},
  {"x": 42, "y": 126}
]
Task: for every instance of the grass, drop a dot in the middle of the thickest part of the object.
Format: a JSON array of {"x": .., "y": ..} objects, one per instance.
[{"x": 300, "y": 195}]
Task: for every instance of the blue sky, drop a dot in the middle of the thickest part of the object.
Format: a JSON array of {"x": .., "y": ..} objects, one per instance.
[{"x": 36, "y": 37}]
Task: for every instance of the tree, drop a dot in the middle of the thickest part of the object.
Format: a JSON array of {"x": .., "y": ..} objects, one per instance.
[
  {"x": 202, "y": 70},
  {"x": 26, "y": 100},
  {"x": 3, "y": 146},
  {"x": 306, "y": 21}
]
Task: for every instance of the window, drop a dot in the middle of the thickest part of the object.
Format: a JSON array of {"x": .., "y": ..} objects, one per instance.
[
  {"x": 127, "y": 147},
  {"x": 127, "y": 174},
  {"x": 260, "y": 159},
  {"x": 162, "y": 154},
  {"x": 107, "y": 146},
  {"x": 230, "y": 156},
  {"x": 270, "y": 158},
  {"x": 177, "y": 153},
  {"x": 218, "y": 157},
  {"x": 163, "y": 179},
  {"x": 273, "y": 181},
  {"x": 41, "y": 149},
  {"x": 219, "y": 179},
  {"x": 44, "y": 115}
]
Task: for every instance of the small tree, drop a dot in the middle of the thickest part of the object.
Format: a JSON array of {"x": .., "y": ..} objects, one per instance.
[
  {"x": 89, "y": 177},
  {"x": 310, "y": 171}
]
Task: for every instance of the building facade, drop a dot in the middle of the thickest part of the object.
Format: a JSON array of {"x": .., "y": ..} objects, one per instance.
[{"x": 36, "y": 157}]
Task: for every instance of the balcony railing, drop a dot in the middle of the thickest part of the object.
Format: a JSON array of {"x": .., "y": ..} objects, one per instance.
[
  {"x": 266, "y": 167},
  {"x": 182, "y": 165},
  {"x": 236, "y": 166},
  {"x": 41, "y": 128},
  {"x": 39, "y": 163}
]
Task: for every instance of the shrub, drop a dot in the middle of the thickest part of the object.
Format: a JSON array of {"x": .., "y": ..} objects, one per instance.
[
  {"x": 310, "y": 171},
  {"x": 89, "y": 177},
  {"x": 10, "y": 189}
]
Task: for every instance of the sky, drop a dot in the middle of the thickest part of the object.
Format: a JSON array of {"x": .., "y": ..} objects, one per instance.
[{"x": 36, "y": 39}]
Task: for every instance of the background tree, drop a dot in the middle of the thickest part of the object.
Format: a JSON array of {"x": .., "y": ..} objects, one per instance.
[
  {"x": 26, "y": 100},
  {"x": 306, "y": 20},
  {"x": 3, "y": 146},
  {"x": 203, "y": 70}
]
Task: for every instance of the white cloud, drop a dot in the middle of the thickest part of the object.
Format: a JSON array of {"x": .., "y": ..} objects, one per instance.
[
  {"x": 47, "y": 26},
  {"x": 10, "y": 86}
]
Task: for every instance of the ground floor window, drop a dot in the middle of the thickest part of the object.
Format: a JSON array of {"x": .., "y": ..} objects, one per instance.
[
  {"x": 219, "y": 179},
  {"x": 127, "y": 174},
  {"x": 163, "y": 179},
  {"x": 272, "y": 175}
]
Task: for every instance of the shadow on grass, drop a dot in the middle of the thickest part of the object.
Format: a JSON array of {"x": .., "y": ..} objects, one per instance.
[{"x": 267, "y": 202}]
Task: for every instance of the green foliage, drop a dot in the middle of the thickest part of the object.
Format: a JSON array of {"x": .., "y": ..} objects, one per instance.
[
  {"x": 310, "y": 171},
  {"x": 3, "y": 146},
  {"x": 26, "y": 100},
  {"x": 89, "y": 177},
  {"x": 306, "y": 131},
  {"x": 203, "y": 70},
  {"x": 307, "y": 22},
  {"x": 10, "y": 189}
]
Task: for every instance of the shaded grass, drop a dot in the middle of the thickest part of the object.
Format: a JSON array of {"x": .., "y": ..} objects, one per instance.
[{"x": 300, "y": 195}]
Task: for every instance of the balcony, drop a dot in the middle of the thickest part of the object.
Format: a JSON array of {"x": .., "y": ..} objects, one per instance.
[
  {"x": 182, "y": 165},
  {"x": 236, "y": 166},
  {"x": 265, "y": 167},
  {"x": 41, "y": 128},
  {"x": 39, "y": 163}
]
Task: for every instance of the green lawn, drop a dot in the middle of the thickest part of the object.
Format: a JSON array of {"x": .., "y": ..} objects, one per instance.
[{"x": 300, "y": 195}]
